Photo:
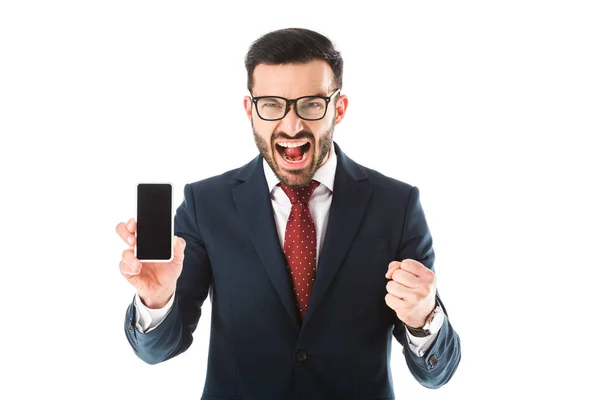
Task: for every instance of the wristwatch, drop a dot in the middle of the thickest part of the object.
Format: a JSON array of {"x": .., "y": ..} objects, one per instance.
[{"x": 432, "y": 324}]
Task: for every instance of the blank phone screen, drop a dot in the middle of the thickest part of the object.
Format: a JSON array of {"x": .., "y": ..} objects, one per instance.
[{"x": 154, "y": 221}]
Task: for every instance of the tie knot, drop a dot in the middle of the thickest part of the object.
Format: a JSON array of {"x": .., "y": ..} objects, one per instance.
[{"x": 300, "y": 194}]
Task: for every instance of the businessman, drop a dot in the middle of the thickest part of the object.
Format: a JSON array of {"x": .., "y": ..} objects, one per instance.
[{"x": 313, "y": 263}]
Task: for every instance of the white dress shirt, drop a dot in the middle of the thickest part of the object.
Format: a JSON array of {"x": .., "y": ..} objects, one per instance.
[{"x": 320, "y": 204}]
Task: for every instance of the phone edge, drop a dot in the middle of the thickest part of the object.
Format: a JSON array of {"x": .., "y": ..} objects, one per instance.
[{"x": 172, "y": 218}]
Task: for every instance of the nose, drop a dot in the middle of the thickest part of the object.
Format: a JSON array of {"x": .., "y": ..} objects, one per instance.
[{"x": 291, "y": 123}]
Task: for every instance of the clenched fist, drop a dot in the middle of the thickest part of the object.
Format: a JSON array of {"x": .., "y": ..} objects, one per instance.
[{"x": 411, "y": 291}]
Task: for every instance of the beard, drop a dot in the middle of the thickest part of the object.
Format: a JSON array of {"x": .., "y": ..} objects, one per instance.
[{"x": 296, "y": 178}]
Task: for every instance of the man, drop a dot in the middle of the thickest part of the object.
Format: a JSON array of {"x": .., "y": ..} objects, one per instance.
[{"x": 312, "y": 261}]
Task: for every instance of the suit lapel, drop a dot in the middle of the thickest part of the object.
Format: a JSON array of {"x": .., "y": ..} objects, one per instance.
[
  {"x": 256, "y": 211},
  {"x": 348, "y": 206}
]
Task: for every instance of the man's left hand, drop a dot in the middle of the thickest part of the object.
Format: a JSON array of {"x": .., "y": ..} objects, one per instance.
[{"x": 411, "y": 291}]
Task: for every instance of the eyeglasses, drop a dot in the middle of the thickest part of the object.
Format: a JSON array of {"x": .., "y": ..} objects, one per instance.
[{"x": 310, "y": 108}]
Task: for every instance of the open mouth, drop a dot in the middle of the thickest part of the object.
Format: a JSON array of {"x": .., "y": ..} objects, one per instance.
[{"x": 293, "y": 152}]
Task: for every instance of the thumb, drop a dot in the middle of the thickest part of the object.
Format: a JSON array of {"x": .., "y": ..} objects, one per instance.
[{"x": 178, "y": 249}]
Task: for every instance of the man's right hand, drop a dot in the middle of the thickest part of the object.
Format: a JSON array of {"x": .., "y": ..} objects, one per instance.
[{"x": 155, "y": 282}]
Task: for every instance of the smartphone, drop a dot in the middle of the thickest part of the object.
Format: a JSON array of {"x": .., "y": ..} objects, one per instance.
[{"x": 154, "y": 237}]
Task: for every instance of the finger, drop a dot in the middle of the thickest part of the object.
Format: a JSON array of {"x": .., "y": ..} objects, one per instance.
[
  {"x": 393, "y": 302},
  {"x": 178, "y": 250},
  {"x": 425, "y": 275},
  {"x": 398, "y": 289},
  {"x": 400, "y": 306},
  {"x": 407, "y": 297},
  {"x": 406, "y": 278},
  {"x": 394, "y": 265},
  {"x": 131, "y": 260},
  {"x": 125, "y": 234},
  {"x": 414, "y": 267},
  {"x": 131, "y": 225},
  {"x": 126, "y": 270}
]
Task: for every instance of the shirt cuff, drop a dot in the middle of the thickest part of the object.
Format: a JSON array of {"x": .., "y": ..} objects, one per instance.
[
  {"x": 420, "y": 345},
  {"x": 146, "y": 319}
]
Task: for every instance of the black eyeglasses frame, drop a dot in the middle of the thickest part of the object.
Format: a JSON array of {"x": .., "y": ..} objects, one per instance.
[{"x": 293, "y": 102}]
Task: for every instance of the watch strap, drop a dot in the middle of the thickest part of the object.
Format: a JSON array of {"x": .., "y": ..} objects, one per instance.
[
  {"x": 422, "y": 332},
  {"x": 418, "y": 332}
]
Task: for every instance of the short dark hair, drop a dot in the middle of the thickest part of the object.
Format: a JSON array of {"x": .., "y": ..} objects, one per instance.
[{"x": 293, "y": 45}]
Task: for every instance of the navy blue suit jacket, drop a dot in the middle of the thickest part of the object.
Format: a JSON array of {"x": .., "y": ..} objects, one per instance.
[{"x": 259, "y": 347}]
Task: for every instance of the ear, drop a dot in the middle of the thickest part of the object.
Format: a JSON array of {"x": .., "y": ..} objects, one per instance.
[
  {"x": 340, "y": 106},
  {"x": 248, "y": 106}
]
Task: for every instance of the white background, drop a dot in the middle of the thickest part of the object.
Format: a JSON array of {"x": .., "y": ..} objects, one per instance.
[{"x": 490, "y": 108}]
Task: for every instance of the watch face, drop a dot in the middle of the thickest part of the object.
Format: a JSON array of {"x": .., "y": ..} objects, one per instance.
[
  {"x": 431, "y": 316},
  {"x": 437, "y": 320}
]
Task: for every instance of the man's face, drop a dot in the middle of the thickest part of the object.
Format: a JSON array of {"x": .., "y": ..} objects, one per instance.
[{"x": 295, "y": 148}]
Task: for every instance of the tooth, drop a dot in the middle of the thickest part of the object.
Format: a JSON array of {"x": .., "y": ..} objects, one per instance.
[{"x": 288, "y": 144}]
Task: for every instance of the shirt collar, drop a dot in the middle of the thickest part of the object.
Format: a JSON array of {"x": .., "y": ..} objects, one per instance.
[{"x": 325, "y": 174}]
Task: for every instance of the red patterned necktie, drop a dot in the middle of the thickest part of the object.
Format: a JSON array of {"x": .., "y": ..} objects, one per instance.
[{"x": 300, "y": 244}]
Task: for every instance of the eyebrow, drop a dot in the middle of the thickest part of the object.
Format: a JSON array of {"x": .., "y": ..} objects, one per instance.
[{"x": 319, "y": 93}]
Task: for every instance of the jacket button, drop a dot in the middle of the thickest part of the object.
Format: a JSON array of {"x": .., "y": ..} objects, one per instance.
[
  {"x": 130, "y": 326},
  {"x": 301, "y": 355},
  {"x": 433, "y": 361}
]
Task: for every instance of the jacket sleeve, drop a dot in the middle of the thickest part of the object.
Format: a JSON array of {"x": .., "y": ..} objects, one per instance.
[
  {"x": 174, "y": 334},
  {"x": 440, "y": 361}
]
